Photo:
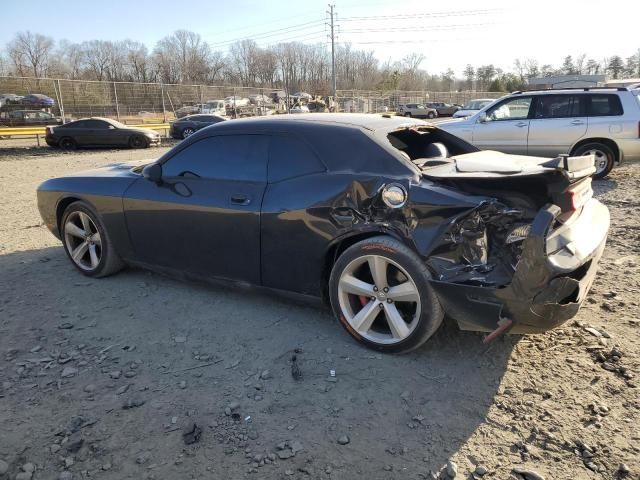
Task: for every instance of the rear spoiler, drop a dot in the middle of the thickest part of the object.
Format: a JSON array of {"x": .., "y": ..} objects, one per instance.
[{"x": 573, "y": 167}]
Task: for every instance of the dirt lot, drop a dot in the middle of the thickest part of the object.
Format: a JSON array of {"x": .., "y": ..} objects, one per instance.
[{"x": 100, "y": 378}]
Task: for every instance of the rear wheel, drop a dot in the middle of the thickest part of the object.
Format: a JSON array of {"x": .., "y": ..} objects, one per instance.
[
  {"x": 431, "y": 115},
  {"x": 138, "y": 141},
  {"x": 408, "y": 114},
  {"x": 87, "y": 243},
  {"x": 67, "y": 143},
  {"x": 604, "y": 157},
  {"x": 380, "y": 293}
]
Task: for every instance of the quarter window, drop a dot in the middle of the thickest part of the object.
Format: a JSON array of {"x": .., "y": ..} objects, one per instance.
[
  {"x": 225, "y": 157},
  {"x": 290, "y": 157},
  {"x": 511, "y": 109},
  {"x": 604, "y": 105}
]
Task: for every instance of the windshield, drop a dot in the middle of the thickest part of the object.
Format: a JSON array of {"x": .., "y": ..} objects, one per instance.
[
  {"x": 117, "y": 124},
  {"x": 476, "y": 104}
]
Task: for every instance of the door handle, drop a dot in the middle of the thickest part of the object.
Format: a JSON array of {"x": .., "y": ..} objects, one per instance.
[
  {"x": 521, "y": 124},
  {"x": 577, "y": 122},
  {"x": 240, "y": 199}
]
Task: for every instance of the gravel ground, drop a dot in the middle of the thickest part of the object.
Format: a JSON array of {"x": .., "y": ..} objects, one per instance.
[{"x": 106, "y": 378}]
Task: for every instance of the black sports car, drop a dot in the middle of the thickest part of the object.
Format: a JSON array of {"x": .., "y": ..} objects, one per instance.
[
  {"x": 99, "y": 132},
  {"x": 393, "y": 221},
  {"x": 187, "y": 126}
]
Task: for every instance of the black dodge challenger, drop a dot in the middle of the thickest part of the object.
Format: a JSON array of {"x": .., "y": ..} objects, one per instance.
[{"x": 392, "y": 221}]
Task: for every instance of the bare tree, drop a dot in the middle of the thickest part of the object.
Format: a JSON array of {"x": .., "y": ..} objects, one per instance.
[
  {"x": 182, "y": 57},
  {"x": 30, "y": 53}
]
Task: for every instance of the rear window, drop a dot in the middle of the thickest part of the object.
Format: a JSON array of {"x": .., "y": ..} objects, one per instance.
[{"x": 603, "y": 105}]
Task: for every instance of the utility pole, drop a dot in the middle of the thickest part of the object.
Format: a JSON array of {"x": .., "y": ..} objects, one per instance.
[{"x": 333, "y": 51}]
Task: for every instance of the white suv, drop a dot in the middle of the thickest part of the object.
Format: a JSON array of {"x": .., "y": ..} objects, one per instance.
[{"x": 604, "y": 122}]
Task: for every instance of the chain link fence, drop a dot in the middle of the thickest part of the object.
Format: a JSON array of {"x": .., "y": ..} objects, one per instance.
[
  {"x": 366, "y": 101},
  {"x": 132, "y": 102}
]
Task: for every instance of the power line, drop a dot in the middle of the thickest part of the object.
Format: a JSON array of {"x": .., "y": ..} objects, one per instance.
[
  {"x": 421, "y": 15},
  {"x": 270, "y": 33},
  {"x": 304, "y": 37},
  {"x": 426, "y": 28}
]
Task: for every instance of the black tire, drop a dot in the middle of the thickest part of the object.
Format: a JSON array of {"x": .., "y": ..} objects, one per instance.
[
  {"x": 408, "y": 114},
  {"x": 431, "y": 313},
  {"x": 187, "y": 132},
  {"x": 604, "y": 153},
  {"x": 431, "y": 115},
  {"x": 138, "y": 141},
  {"x": 67, "y": 143},
  {"x": 109, "y": 262}
]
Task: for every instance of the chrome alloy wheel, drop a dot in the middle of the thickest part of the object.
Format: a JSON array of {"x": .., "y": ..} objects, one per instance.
[
  {"x": 379, "y": 299},
  {"x": 83, "y": 241},
  {"x": 601, "y": 160}
]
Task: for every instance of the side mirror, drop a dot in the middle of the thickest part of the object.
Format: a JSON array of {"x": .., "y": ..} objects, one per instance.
[
  {"x": 482, "y": 118},
  {"x": 153, "y": 173}
]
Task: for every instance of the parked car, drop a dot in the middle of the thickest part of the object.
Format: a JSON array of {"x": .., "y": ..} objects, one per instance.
[
  {"x": 187, "y": 110},
  {"x": 100, "y": 132},
  {"x": 472, "y": 107},
  {"x": 29, "y": 118},
  {"x": 37, "y": 100},
  {"x": 394, "y": 222},
  {"x": 187, "y": 126},
  {"x": 417, "y": 110},
  {"x": 214, "y": 107},
  {"x": 260, "y": 99},
  {"x": 603, "y": 122},
  {"x": 236, "y": 101},
  {"x": 299, "y": 109},
  {"x": 9, "y": 98},
  {"x": 443, "y": 109}
]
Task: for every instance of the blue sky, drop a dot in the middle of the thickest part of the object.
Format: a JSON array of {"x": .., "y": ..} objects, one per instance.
[{"x": 451, "y": 33}]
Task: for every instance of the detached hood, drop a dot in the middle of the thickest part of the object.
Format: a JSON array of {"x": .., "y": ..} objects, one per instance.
[{"x": 489, "y": 164}]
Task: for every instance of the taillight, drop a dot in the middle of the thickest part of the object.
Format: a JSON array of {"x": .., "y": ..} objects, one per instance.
[
  {"x": 580, "y": 193},
  {"x": 49, "y": 130}
]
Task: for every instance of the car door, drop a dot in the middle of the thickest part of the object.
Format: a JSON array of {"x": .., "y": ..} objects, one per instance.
[
  {"x": 505, "y": 127},
  {"x": 103, "y": 133},
  {"x": 79, "y": 131},
  {"x": 557, "y": 123},
  {"x": 204, "y": 217}
]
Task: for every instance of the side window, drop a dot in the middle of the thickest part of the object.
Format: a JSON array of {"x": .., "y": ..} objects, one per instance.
[
  {"x": 291, "y": 157},
  {"x": 512, "y": 109},
  {"x": 604, "y": 105},
  {"x": 97, "y": 124},
  {"x": 558, "y": 106},
  {"x": 225, "y": 157}
]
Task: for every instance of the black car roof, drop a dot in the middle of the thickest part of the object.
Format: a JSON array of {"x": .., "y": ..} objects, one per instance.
[{"x": 362, "y": 120}]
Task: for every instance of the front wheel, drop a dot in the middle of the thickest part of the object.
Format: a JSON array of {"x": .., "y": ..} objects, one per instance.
[
  {"x": 87, "y": 243},
  {"x": 187, "y": 132},
  {"x": 604, "y": 157},
  {"x": 380, "y": 292}
]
